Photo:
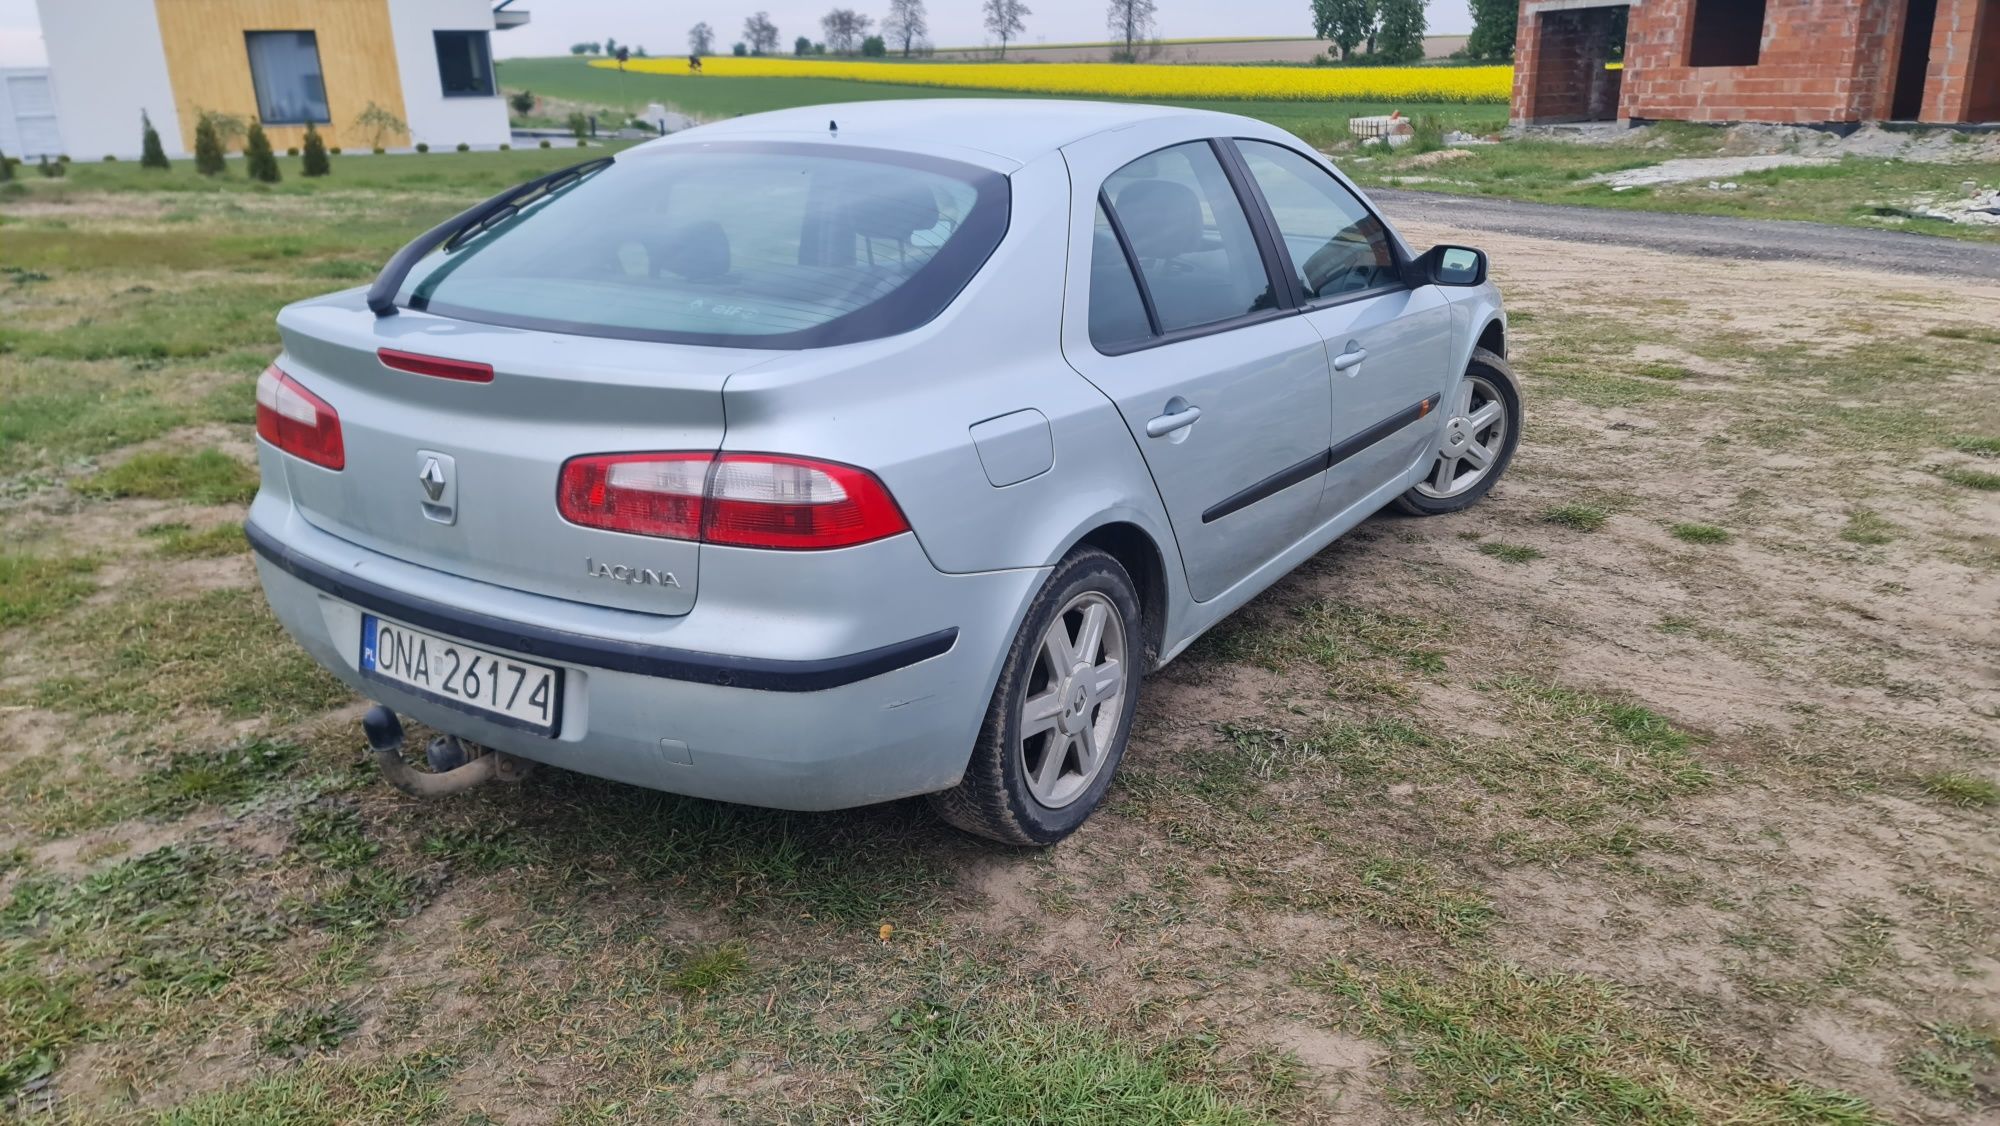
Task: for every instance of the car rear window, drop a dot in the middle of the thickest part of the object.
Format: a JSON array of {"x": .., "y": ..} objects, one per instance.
[{"x": 741, "y": 244}]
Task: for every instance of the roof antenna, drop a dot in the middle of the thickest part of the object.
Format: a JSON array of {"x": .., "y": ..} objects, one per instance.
[{"x": 833, "y": 127}]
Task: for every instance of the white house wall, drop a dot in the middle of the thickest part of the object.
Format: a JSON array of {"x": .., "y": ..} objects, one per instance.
[
  {"x": 434, "y": 119},
  {"x": 106, "y": 65}
]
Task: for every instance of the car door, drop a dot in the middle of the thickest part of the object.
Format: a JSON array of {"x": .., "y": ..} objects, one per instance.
[
  {"x": 1388, "y": 344},
  {"x": 1181, "y": 325}
]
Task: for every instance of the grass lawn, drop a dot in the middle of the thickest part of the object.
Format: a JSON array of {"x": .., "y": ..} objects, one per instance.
[
  {"x": 1852, "y": 192},
  {"x": 1660, "y": 788}
]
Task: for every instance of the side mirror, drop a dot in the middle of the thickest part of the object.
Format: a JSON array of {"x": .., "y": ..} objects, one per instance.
[{"x": 1454, "y": 265}]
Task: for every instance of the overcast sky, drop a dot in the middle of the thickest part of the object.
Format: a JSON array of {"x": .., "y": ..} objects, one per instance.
[{"x": 661, "y": 27}]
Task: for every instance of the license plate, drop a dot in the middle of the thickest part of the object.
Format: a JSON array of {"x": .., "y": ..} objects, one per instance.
[{"x": 462, "y": 676}]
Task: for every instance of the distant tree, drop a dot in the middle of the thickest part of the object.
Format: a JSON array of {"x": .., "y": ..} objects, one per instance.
[
  {"x": 874, "y": 47},
  {"x": 1131, "y": 23},
  {"x": 151, "y": 153},
  {"x": 1006, "y": 20},
  {"x": 610, "y": 45},
  {"x": 639, "y": 52},
  {"x": 739, "y": 49},
  {"x": 208, "y": 148},
  {"x": 802, "y": 46},
  {"x": 1494, "y": 23},
  {"x": 844, "y": 29},
  {"x": 1347, "y": 23},
  {"x": 623, "y": 54},
  {"x": 579, "y": 48},
  {"x": 761, "y": 34},
  {"x": 258, "y": 159},
  {"x": 701, "y": 39},
  {"x": 906, "y": 25},
  {"x": 593, "y": 48},
  {"x": 1400, "y": 35},
  {"x": 523, "y": 102},
  {"x": 314, "y": 162},
  {"x": 380, "y": 125}
]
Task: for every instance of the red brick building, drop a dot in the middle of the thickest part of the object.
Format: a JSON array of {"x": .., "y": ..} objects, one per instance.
[{"x": 1788, "y": 61}]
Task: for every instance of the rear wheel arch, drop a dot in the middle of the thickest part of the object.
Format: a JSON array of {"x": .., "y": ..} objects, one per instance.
[{"x": 1135, "y": 550}]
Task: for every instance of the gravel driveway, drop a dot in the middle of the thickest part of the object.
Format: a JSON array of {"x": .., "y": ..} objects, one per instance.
[{"x": 1764, "y": 240}]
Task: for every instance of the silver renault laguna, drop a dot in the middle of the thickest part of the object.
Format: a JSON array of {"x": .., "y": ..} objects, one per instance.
[{"x": 835, "y": 455}]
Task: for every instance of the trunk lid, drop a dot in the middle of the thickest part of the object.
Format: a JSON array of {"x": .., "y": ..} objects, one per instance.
[{"x": 461, "y": 476}]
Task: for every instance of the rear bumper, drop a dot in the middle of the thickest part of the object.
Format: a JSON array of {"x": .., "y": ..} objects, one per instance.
[{"x": 762, "y": 724}]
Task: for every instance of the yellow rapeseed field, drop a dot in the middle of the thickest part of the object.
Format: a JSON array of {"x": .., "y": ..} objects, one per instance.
[{"x": 1132, "y": 80}]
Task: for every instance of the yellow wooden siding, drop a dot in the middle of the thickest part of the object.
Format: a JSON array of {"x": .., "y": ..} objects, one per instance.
[{"x": 209, "y": 63}]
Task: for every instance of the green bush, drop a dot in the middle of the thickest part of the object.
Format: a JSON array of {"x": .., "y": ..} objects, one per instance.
[
  {"x": 110, "y": 159},
  {"x": 335, "y": 150},
  {"x": 151, "y": 153},
  {"x": 545, "y": 142},
  {"x": 579, "y": 125},
  {"x": 258, "y": 160},
  {"x": 379, "y": 150},
  {"x": 506, "y": 148},
  {"x": 63, "y": 159},
  {"x": 463, "y": 147},
  {"x": 422, "y": 147},
  {"x": 208, "y": 148},
  {"x": 581, "y": 143},
  {"x": 315, "y": 163},
  {"x": 52, "y": 171}
]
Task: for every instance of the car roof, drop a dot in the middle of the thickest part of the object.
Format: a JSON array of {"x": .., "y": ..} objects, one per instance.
[{"x": 1018, "y": 130}]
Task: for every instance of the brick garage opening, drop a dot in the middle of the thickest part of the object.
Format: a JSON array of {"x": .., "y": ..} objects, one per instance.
[
  {"x": 1573, "y": 51},
  {"x": 1913, "y": 62}
]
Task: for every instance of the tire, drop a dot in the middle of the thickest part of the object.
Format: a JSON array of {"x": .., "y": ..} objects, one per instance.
[
  {"x": 1490, "y": 381},
  {"x": 1011, "y": 791}
]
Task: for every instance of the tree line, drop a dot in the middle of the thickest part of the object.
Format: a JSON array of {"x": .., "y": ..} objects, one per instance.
[{"x": 1382, "y": 31}]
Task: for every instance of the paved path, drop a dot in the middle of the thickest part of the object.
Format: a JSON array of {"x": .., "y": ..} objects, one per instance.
[{"x": 1767, "y": 240}]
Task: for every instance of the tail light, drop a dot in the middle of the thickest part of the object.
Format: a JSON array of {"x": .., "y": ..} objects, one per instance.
[
  {"x": 740, "y": 500},
  {"x": 297, "y": 421}
]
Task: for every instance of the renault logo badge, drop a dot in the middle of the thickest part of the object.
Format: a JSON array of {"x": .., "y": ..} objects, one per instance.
[
  {"x": 438, "y": 474},
  {"x": 433, "y": 480}
]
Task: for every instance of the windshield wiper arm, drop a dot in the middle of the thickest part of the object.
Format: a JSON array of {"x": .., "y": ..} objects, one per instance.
[{"x": 382, "y": 295}]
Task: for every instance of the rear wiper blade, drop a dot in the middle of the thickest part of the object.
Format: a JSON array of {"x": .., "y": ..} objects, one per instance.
[{"x": 382, "y": 295}]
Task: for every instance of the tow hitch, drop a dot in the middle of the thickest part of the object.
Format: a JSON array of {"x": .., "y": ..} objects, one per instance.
[{"x": 480, "y": 765}]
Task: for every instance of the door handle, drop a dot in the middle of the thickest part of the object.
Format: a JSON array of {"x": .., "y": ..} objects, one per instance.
[
  {"x": 1350, "y": 358},
  {"x": 1176, "y": 419}
]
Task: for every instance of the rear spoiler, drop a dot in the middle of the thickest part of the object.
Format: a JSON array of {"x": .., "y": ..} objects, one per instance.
[{"x": 382, "y": 294}]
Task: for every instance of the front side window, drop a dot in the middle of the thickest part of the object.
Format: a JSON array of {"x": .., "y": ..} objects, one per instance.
[
  {"x": 1191, "y": 240},
  {"x": 1336, "y": 245},
  {"x": 744, "y": 244},
  {"x": 284, "y": 69},
  {"x": 465, "y": 63}
]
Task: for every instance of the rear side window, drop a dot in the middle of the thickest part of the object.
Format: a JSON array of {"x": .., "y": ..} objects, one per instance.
[
  {"x": 1117, "y": 312},
  {"x": 1336, "y": 246},
  {"x": 749, "y": 245},
  {"x": 1190, "y": 237}
]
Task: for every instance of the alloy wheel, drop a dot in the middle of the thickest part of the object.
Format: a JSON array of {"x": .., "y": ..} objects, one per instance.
[
  {"x": 1075, "y": 700},
  {"x": 1472, "y": 440}
]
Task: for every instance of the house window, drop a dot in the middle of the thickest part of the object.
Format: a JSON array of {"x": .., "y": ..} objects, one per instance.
[
  {"x": 465, "y": 63},
  {"x": 1726, "y": 33},
  {"x": 284, "y": 69}
]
